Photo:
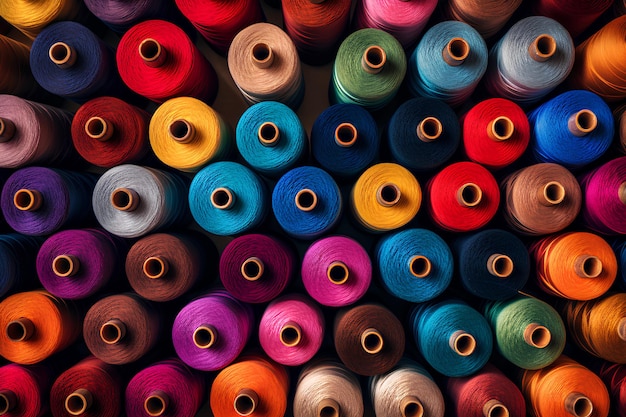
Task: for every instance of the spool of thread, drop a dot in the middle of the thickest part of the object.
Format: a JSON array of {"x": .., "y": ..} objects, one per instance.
[
  {"x": 487, "y": 17},
  {"x": 453, "y": 338},
  {"x": 291, "y": 329},
  {"x": 336, "y": 271},
  {"x": 253, "y": 386},
  {"x": 496, "y": 133},
  {"x": 256, "y": 268},
  {"x": 306, "y": 202},
  {"x": 604, "y": 207},
  {"x": 385, "y": 197},
  {"x": 35, "y": 326},
  {"x": 121, "y": 16},
  {"x": 369, "y": 339},
  {"x": 211, "y": 331},
  {"x": 187, "y": 134},
  {"x": 264, "y": 64},
  {"x": 17, "y": 263},
  {"x": 573, "y": 129},
  {"x": 620, "y": 128},
  {"x": 31, "y": 18},
  {"x": 464, "y": 196},
  {"x": 227, "y": 198},
  {"x": 77, "y": 263},
  {"x": 316, "y": 27},
  {"x": 534, "y": 56},
  {"x": 368, "y": 69},
  {"x": 15, "y": 66},
  {"x": 345, "y": 139},
  {"x": 448, "y": 63},
  {"x": 91, "y": 388},
  {"x": 489, "y": 393},
  {"x": 107, "y": 131},
  {"x": 575, "y": 265},
  {"x": 271, "y": 138},
  {"x": 404, "y": 20},
  {"x": 38, "y": 201},
  {"x": 219, "y": 22},
  {"x": 595, "y": 70},
  {"x": 528, "y": 332},
  {"x": 33, "y": 133},
  {"x": 156, "y": 59},
  {"x": 599, "y": 326},
  {"x": 166, "y": 388},
  {"x": 119, "y": 329},
  {"x": 541, "y": 199},
  {"x": 492, "y": 264},
  {"x": 614, "y": 376},
  {"x": 423, "y": 133},
  {"x": 406, "y": 391},
  {"x": 164, "y": 266},
  {"x": 131, "y": 201},
  {"x": 69, "y": 60},
  {"x": 24, "y": 390},
  {"x": 576, "y": 16},
  {"x": 415, "y": 265},
  {"x": 563, "y": 389}
]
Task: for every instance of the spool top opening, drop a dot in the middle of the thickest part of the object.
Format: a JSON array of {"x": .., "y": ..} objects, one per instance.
[
  {"x": 290, "y": 335},
  {"x": 338, "y": 273},
  {"x": 420, "y": 266},
  {"x": 469, "y": 195},
  {"x": 372, "y": 341},
  {"x": 246, "y": 402},
  {"x": 20, "y": 330},
  {"x": 429, "y": 129},
  {"x": 181, "y": 131},
  {"x": 306, "y": 200},
  {"x": 98, "y": 128},
  {"x": 155, "y": 267},
  {"x": 328, "y": 408},
  {"x": 388, "y": 195},
  {"x": 578, "y": 405},
  {"x": 124, "y": 199},
  {"x": 8, "y": 401},
  {"x": 156, "y": 403},
  {"x": 7, "y": 130},
  {"x": 582, "y": 122},
  {"x": 78, "y": 402},
  {"x": 542, "y": 48},
  {"x": 62, "y": 55},
  {"x": 494, "y": 408},
  {"x": 456, "y": 51},
  {"x": 269, "y": 134},
  {"x": 411, "y": 407},
  {"x": 463, "y": 343},
  {"x": 552, "y": 193},
  {"x": 501, "y": 128},
  {"x": 205, "y": 336},
  {"x": 65, "y": 265},
  {"x": 374, "y": 59},
  {"x": 500, "y": 266},
  {"x": 588, "y": 266},
  {"x": 112, "y": 332},
  {"x": 222, "y": 198},
  {"x": 537, "y": 336},
  {"x": 262, "y": 55},
  {"x": 252, "y": 268},
  {"x": 152, "y": 53},
  {"x": 27, "y": 200},
  {"x": 346, "y": 135}
]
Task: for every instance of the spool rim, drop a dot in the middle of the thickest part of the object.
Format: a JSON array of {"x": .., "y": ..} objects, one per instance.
[
  {"x": 27, "y": 200},
  {"x": 552, "y": 193},
  {"x": 222, "y": 198},
  {"x": 429, "y": 129},
  {"x": 338, "y": 272},
  {"x": 65, "y": 265},
  {"x": 462, "y": 343},
  {"x": 258, "y": 268},
  {"x": 205, "y": 336},
  {"x": 588, "y": 266},
  {"x": 494, "y": 408},
  {"x": 290, "y": 334},
  {"x": 262, "y": 55},
  {"x": 469, "y": 195},
  {"x": 537, "y": 336},
  {"x": 579, "y": 405},
  {"x": 268, "y": 134},
  {"x": 156, "y": 403},
  {"x": 245, "y": 402},
  {"x": 124, "y": 199},
  {"x": 152, "y": 52},
  {"x": 346, "y": 135},
  {"x": 328, "y": 407},
  {"x": 582, "y": 122},
  {"x": 78, "y": 402},
  {"x": 542, "y": 48},
  {"x": 62, "y": 55},
  {"x": 372, "y": 341},
  {"x": 420, "y": 266},
  {"x": 112, "y": 332},
  {"x": 155, "y": 267},
  {"x": 310, "y": 199},
  {"x": 8, "y": 401},
  {"x": 98, "y": 128},
  {"x": 20, "y": 330},
  {"x": 411, "y": 406},
  {"x": 181, "y": 131},
  {"x": 500, "y": 265},
  {"x": 501, "y": 128},
  {"x": 388, "y": 194},
  {"x": 374, "y": 59},
  {"x": 456, "y": 51}
]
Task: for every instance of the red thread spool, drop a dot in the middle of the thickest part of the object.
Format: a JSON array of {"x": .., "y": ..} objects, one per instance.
[
  {"x": 574, "y": 15},
  {"x": 157, "y": 60},
  {"x": 464, "y": 196},
  {"x": 24, "y": 390}
]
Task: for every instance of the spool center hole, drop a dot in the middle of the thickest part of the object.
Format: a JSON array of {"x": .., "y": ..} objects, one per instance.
[
  {"x": 389, "y": 194},
  {"x": 465, "y": 344},
  {"x": 244, "y": 405},
  {"x": 149, "y": 49},
  {"x": 583, "y": 407},
  {"x": 110, "y": 333},
  {"x": 592, "y": 266},
  {"x": 95, "y": 126},
  {"x": 372, "y": 343},
  {"x": 346, "y": 134},
  {"x": 153, "y": 267},
  {"x": 503, "y": 127},
  {"x": 60, "y": 52},
  {"x": 546, "y": 45},
  {"x": 4, "y": 404},
  {"x": 290, "y": 336},
  {"x": 179, "y": 129},
  {"x": 554, "y": 192},
  {"x": 328, "y": 411},
  {"x": 413, "y": 409},
  {"x": 499, "y": 411},
  {"x": 268, "y": 131},
  {"x": 503, "y": 266},
  {"x": 420, "y": 266},
  {"x": 16, "y": 331},
  {"x": 306, "y": 199},
  {"x": 375, "y": 57},
  {"x": 203, "y": 337},
  {"x": 155, "y": 406},
  {"x": 261, "y": 52},
  {"x": 471, "y": 195},
  {"x": 540, "y": 337},
  {"x": 338, "y": 274},
  {"x": 62, "y": 265},
  {"x": 220, "y": 198},
  {"x": 252, "y": 269},
  {"x": 431, "y": 127},
  {"x": 121, "y": 198},
  {"x": 23, "y": 199},
  {"x": 459, "y": 49},
  {"x": 586, "y": 120},
  {"x": 75, "y": 404}
]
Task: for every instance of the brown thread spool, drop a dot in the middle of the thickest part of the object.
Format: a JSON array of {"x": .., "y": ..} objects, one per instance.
[
  {"x": 469, "y": 195},
  {"x": 501, "y": 128},
  {"x": 269, "y": 134},
  {"x": 388, "y": 194},
  {"x": 462, "y": 343},
  {"x": 262, "y": 55},
  {"x": 588, "y": 266},
  {"x": 374, "y": 59},
  {"x": 429, "y": 129},
  {"x": 181, "y": 131},
  {"x": 155, "y": 267},
  {"x": 411, "y": 406},
  {"x": 551, "y": 194},
  {"x": 8, "y": 401},
  {"x": 63, "y": 55},
  {"x": 306, "y": 199},
  {"x": 112, "y": 332},
  {"x": 420, "y": 266},
  {"x": 124, "y": 199},
  {"x": 346, "y": 135},
  {"x": 500, "y": 266},
  {"x": 20, "y": 330},
  {"x": 156, "y": 403},
  {"x": 205, "y": 336},
  {"x": 27, "y": 200},
  {"x": 7, "y": 130},
  {"x": 494, "y": 408},
  {"x": 222, "y": 198},
  {"x": 456, "y": 51},
  {"x": 252, "y": 268},
  {"x": 152, "y": 53},
  {"x": 542, "y": 48},
  {"x": 246, "y": 402},
  {"x": 290, "y": 334},
  {"x": 338, "y": 272},
  {"x": 98, "y": 128},
  {"x": 372, "y": 341},
  {"x": 65, "y": 265},
  {"x": 537, "y": 336},
  {"x": 582, "y": 122},
  {"x": 578, "y": 405},
  {"x": 78, "y": 402}
]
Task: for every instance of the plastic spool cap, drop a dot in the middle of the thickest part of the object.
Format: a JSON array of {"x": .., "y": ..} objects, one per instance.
[
  {"x": 262, "y": 55},
  {"x": 156, "y": 403},
  {"x": 469, "y": 195},
  {"x": 338, "y": 273},
  {"x": 124, "y": 199},
  {"x": 290, "y": 334},
  {"x": 63, "y": 55},
  {"x": 411, "y": 406},
  {"x": 328, "y": 408},
  {"x": 269, "y": 134},
  {"x": 346, "y": 135},
  {"x": 27, "y": 200},
  {"x": 429, "y": 129},
  {"x": 500, "y": 266},
  {"x": 20, "y": 330},
  {"x": 588, "y": 266},
  {"x": 551, "y": 194},
  {"x": 582, "y": 122},
  {"x": 374, "y": 59},
  {"x": 537, "y": 336},
  {"x": 372, "y": 341},
  {"x": 155, "y": 267},
  {"x": 222, "y": 198},
  {"x": 542, "y": 48},
  {"x": 152, "y": 53},
  {"x": 246, "y": 402},
  {"x": 78, "y": 402},
  {"x": 388, "y": 194},
  {"x": 420, "y": 266},
  {"x": 65, "y": 265},
  {"x": 456, "y": 51},
  {"x": 99, "y": 129},
  {"x": 306, "y": 200},
  {"x": 578, "y": 405},
  {"x": 113, "y": 331},
  {"x": 8, "y": 401},
  {"x": 7, "y": 130},
  {"x": 494, "y": 408},
  {"x": 501, "y": 128},
  {"x": 252, "y": 268},
  {"x": 462, "y": 343},
  {"x": 181, "y": 131},
  {"x": 205, "y": 336}
]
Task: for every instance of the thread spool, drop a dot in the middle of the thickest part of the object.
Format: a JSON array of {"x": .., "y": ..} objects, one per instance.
[
  {"x": 486, "y": 17},
  {"x": 613, "y": 376},
  {"x": 18, "y": 79},
  {"x": 23, "y": 390},
  {"x": 31, "y": 21},
  {"x": 576, "y": 17},
  {"x": 120, "y": 17},
  {"x": 17, "y": 262},
  {"x": 604, "y": 194}
]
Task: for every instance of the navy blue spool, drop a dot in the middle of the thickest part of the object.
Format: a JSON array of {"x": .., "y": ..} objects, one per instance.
[
  {"x": 418, "y": 154},
  {"x": 345, "y": 139},
  {"x": 226, "y": 198},
  {"x": 415, "y": 265},
  {"x": 551, "y": 137},
  {"x": 431, "y": 75},
  {"x": 435, "y": 325},
  {"x": 93, "y": 73},
  {"x": 257, "y": 141},
  {"x": 492, "y": 264},
  {"x": 17, "y": 263},
  {"x": 301, "y": 186}
]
